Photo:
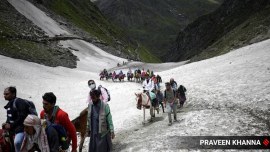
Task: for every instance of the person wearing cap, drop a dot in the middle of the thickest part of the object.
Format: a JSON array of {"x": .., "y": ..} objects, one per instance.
[
  {"x": 104, "y": 95},
  {"x": 56, "y": 115},
  {"x": 37, "y": 138},
  {"x": 170, "y": 102},
  {"x": 99, "y": 124}
]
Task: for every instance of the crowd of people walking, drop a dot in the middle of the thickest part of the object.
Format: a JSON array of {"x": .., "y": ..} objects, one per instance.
[{"x": 53, "y": 131}]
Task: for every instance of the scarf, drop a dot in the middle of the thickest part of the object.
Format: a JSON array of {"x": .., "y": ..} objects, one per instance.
[{"x": 40, "y": 137}]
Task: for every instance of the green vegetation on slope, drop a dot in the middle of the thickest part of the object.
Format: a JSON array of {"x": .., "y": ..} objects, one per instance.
[
  {"x": 37, "y": 52},
  {"x": 253, "y": 30},
  {"x": 155, "y": 24},
  {"x": 87, "y": 16}
]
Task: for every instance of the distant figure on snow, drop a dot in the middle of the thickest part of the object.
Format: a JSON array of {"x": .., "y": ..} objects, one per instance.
[{"x": 182, "y": 95}]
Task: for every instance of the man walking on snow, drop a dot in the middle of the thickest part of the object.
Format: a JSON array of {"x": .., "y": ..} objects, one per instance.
[
  {"x": 99, "y": 124},
  {"x": 170, "y": 102}
]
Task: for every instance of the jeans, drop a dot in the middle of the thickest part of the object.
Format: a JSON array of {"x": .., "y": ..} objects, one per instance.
[
  {"x": 18, "y": 141},
  {"x": 174, "y": 106}
]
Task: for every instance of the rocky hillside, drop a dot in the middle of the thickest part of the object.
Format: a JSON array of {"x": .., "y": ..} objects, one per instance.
[
  {"x": 234, "y": 24},
  {"x": 155, "y": 23},
  {"x": 21, "y": 39}
]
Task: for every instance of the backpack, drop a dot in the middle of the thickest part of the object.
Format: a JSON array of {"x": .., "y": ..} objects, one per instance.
[
  {"x": 182, "y": 89},
  {"x": 31, "y": 106},
  {"x": 61, "y": 131},
  {"x": 174, "y": 92},
  {"x": 108, "y": 93},
  {"x": 62, "y": 134}
]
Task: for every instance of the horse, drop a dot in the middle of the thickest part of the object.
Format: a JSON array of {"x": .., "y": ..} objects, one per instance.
[
  {"x": 109, "y": 76},
  {"x": 143, "y": 101},
  {"x": 80, "y": 124},
  {"x": 121, "y": 77},
  {"x": 102, "y": 76},
  {"x": 130, "y": 76},
  {"x": 138, "y": 77},
  {"x": 5, "y": 143}
]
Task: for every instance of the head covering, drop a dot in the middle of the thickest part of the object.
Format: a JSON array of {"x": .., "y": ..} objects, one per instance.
[
  {"x": 32, "y": 120},
  {"x": 39, "y": 137}
]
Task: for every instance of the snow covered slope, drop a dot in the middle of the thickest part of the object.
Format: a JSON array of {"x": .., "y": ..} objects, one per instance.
[
  {"x": 92, "y": 58},
  {"x": 38, "y": 17},
  {"x": 227, "y": 95}
]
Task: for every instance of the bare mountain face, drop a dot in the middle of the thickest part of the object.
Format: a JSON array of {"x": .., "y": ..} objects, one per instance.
[
  {"x": 155, "y": 24},
  {"x": 234, "y": 24}
]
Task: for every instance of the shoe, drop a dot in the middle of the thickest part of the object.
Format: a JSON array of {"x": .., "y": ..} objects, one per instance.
[
  {"x": 175, "y": 120},
  {"x": 170, "y": 123}
]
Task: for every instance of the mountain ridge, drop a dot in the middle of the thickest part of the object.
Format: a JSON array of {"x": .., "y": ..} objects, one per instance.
[
  {"x": 233, "y": 25},
  {"x": 154, "y": 24}
]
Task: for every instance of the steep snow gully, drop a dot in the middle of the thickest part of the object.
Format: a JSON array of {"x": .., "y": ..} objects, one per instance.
[{"x": 227, "y": 95}]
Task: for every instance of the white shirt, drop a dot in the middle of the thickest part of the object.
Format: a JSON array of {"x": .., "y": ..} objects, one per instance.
[{"x": 148, "y": 86}]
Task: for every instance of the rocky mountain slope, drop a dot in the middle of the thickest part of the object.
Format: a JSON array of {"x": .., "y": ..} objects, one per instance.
[
  {"x": 21, "y": 39},
  {"x": 153, "y": 23},
  {"x": 234, "y": 24}
]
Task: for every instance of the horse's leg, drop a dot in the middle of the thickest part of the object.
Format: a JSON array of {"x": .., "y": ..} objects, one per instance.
[
  {"x": 143, "y": 115},
  {"x": 82, "y": 141}
]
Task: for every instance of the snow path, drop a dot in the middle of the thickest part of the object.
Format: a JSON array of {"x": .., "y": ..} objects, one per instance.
[
  {"x": 91, "y": 57},
  {"x": 227, "y": 95}
]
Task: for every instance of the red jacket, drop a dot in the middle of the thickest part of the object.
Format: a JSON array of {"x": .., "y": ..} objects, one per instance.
[{"x": 62, "y": 118}]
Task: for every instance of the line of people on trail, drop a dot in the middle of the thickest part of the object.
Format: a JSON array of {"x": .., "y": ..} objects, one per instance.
[
  {"x": 138, "y": 75},
  {"x": 53, "y": 130},
  {"x": 114, "y": 76},
  {"x": 169, "y": 99}
]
